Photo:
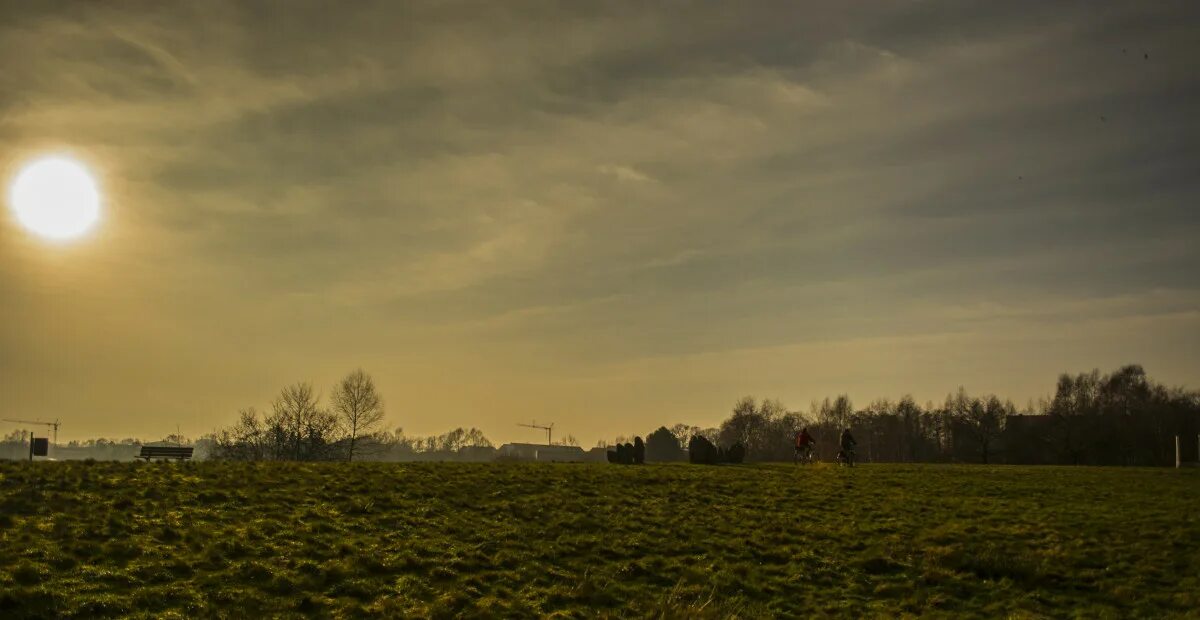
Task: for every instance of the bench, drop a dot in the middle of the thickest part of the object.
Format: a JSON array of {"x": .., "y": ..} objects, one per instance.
[{"x": 166, "y": 452}]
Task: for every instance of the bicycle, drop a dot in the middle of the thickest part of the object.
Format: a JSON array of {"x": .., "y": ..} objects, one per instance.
[
  {"x": 804, "y": 456},
  {"x": 846, "y": 457}
]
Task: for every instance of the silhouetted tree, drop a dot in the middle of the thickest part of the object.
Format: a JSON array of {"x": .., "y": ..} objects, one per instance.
[
  {"x": 765, "y": 430},
  {"x": 983, "y": 419},
  {"x": 639, "y": 451},
  {"x": 743, "y": 424},
  {"x": 358, "y": 406},
  {"x": 458, "y": 444},
  {"x": 1073, "y": 410},
  {"x": 177, "y": 439},
  {"x": 829, "y": 418},
  {"x": 1123, "y": 418},
  {"x": 247, "y": 440},
  {"x": 297, "y": 429},
  {"x": 913, "y": 436},
  {"x": 298, "y": 425},
  {"x": 684, "y": 432}
]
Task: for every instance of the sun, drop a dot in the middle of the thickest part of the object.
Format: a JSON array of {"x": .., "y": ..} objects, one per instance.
[{"x": 56, "y": 198}]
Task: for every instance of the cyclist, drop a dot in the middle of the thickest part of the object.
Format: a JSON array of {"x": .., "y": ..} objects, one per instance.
[
  {"x": 804, "y": 446},
  {"x": 847, "y": 443}
]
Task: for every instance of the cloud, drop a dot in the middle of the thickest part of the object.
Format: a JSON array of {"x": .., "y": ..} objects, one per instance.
[
  {"x": 526, "y": 198},
  {"x": 624, "y": 173}
]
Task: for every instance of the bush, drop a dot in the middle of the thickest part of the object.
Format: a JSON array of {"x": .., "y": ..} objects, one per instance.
[
  {"x": 701, "y": 451},
  {"x": 662, "y": 445},
  {"x": 704, "y": 452},
  {"x": 623, "y": 454}
]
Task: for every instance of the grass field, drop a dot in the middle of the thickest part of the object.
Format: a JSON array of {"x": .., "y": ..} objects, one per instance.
[{"x": 247, "y": 540}]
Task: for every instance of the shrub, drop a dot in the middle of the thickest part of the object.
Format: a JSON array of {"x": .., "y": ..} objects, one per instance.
[
  {"x": 704, "y": 452},
  {"x": 663, "y": 445},
  {"x": 701, "y": 451},
  {"x": 736, "y": 453}
]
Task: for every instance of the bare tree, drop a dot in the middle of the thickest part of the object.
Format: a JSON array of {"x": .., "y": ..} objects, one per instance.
[
  {"x": 358, "y": 406},
  {"x": 743, "y": 425},
  {"x": 177, "y": 438},
  {"x": 298, "y": 428},
  {"x": 912, "y": 433},
  {"x": 684, "y": 433},
  {"x": 1074, "y": 411},
  {"x": 245, "y": 441},
  {"x": 836, "y": 414},
  {"x": 982, "y": 419}
]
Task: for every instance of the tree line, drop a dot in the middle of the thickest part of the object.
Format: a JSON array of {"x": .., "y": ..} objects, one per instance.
[
  {"x": 1120, "y": 418},
  {"x": 298, "y": 427}
]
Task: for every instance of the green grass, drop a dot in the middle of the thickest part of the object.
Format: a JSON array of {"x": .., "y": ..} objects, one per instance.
[{"x": 372, "y": 539}]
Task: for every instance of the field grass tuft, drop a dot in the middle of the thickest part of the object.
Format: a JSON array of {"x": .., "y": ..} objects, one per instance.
[{"x": 82, "y": 540}]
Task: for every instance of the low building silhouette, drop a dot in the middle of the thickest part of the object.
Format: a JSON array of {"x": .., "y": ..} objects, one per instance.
[{"x": 542, "y": 453}]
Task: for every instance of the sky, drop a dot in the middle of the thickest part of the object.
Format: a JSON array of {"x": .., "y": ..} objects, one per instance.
[{"x": 610, "y": 216}]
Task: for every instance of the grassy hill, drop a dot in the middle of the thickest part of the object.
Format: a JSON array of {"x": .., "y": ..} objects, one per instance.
[{"x": 242, "y": 540}]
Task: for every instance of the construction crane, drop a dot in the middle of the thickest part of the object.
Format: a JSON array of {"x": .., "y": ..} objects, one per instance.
[
  {"x": 548, "y": 429},
  {"x": 53, "y": 425}
]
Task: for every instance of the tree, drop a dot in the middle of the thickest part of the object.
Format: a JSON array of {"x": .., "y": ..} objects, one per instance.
[
  {"x": 280, "y": 435},
  {"x": 475, "y": 439},
  {"x": 298, "y": 428},
  {"x": 1131, "y": 421},
  {"x": 458, "y": 439},
  {"x": 358, "y": 407},
  {"x": 177, "y": 439},
  {"x": 663, "y": 445},
  {"x": 1073, "y": 410},
  {"x": 985, "y": 420},
  {"x": 743, "y": 424},
  {"x": 764, "y": 430},
  {"x": 449, "y": 446},
  {"x": 835, "y": 414},
  {"x": 912, "y": 434},
  {"x": 685, "y": 432},
  {"x": 244, "y": 441}
]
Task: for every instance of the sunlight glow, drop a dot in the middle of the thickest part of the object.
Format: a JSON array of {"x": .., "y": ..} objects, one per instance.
[{"x": 56, "y": 198}]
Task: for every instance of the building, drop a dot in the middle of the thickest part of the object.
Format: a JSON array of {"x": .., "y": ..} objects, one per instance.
[
  {"x": 598, "y": 455},
  {"x": 542, "y": 453}
]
